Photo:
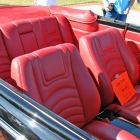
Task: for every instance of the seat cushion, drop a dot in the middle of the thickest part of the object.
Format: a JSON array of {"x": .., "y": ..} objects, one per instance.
[{"x": 106, "y": 131}]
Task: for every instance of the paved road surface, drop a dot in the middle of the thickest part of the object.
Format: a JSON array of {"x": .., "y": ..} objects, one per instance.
[{"x": 133, "y": 16}]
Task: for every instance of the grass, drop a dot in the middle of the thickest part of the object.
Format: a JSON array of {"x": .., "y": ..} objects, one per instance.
[
  {"x": 16, "y": 2},
  {"x": 60, "y": 2},
  {"x": 76, "y": 2},
  {"x": 136, "y": 6}
]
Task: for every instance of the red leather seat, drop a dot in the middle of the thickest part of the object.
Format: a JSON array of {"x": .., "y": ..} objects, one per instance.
[
  {"x": 57, "y": 78},
  {"x": 28, "y": 35},
  {"x": 105, "y": 54}
]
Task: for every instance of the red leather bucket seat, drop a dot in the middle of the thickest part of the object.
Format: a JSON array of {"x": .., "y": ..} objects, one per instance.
[
  {"x": 105, "y": 54},
  {"x": 57, "y": 78}
]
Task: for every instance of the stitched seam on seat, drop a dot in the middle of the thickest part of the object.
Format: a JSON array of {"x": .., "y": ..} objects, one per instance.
[
  {"x": 5, "y": 46},
  {"x": 19, "y": 37},
  {"x": 118, "y": 49},
  {"x": 43, "y": 28},
  {"x": 74, "y": 116},
  {"x": 117, "y": 44},
  {"x": 76, "y": 85},
  {"x": 107, "y": 85},
  {"x": 62, "y": 99},
  {"x": 34, "y": 76},
  {"x": 74, "y": 106},
  {"x": 90, "y": 52},
  {"x": 34, "y": 33},
  {"x": 59, "y": 29},
  {"x": 46, "y": 83}
]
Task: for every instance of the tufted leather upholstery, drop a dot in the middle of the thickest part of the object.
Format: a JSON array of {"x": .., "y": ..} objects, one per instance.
[
  {"x": 57, "y": 78},
  {"x": 105, "y": 54}
]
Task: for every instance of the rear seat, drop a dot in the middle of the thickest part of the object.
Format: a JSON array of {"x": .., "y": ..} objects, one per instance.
[
  {"x": 30, "y": 34},
  {"x": 25, "y": 36}
]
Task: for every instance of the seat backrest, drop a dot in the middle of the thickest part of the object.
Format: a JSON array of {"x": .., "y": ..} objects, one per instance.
[
  {"x": 56, "y": 30},
  {"x": 29, "y": 35},
  {"x": 5, "y": 64},
  {"x": 57, "y": 78},
  {"x": 25, "y": 36},
  {"x": 105, "y": 54}
]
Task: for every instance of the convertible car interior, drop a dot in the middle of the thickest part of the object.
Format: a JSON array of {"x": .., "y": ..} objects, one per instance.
[{"x": 66, "y": 59}]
